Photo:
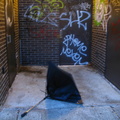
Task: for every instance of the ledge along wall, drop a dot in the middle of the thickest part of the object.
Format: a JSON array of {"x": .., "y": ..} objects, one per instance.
[{"x": 55, "y": 30}]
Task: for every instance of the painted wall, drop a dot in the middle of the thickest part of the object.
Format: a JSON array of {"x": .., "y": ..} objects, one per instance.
[
  {"x": 46, "y": 24},
  {"x": 75, "y": 28},
  {"x": 113, "y": 45}
]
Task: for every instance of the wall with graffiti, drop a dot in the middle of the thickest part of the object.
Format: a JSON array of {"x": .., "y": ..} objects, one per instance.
[
  {"x": 57, "y": 30},
  {"x": 113, "y": 45},
  {"x": 75, "y": 32},
  {"x": 39, "y": 31},
  {"x": 102, "y": 13}
]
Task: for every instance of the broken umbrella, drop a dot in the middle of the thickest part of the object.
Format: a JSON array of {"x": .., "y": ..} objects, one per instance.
[{"x": 60, "y": 86}]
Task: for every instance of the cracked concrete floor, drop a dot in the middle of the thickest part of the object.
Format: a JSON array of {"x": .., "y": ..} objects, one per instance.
[{"x": 101, "y": 100}]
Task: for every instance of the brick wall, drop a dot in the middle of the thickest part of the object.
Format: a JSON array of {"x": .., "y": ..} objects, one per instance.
[
  {"x": 44, "y": 22},
  {"x": 99, "y": 35},
  {"x": 39, "y": 40},
  {"x": 4, "y": 80}
]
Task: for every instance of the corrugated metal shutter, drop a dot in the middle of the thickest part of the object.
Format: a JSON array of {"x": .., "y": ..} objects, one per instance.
[
  {"x": 16, "y": 29},
  {"x": 99, "y": 39},
  {"x": 4, "y": 77},
  {"x": 4, "y": 81}
]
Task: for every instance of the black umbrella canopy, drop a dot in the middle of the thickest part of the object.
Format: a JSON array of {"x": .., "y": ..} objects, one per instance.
[{"x": 61, "y": 86}]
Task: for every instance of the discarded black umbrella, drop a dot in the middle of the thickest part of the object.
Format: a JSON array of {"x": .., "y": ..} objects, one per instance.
[{"x": 60, "y": 86}]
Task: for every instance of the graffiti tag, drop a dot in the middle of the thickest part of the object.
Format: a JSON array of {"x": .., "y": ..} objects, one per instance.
[
  {"x": 83, "y": 6},
  {"x": 80, "y": 19},
  {"x": 69, "y": 42},
  {"x": 39, "y": 10},
  {"x": 102, "y": 14}
]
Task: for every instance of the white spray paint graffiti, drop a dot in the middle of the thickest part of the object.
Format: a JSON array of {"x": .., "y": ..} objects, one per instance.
[
  {"x": 106, "y": 17},
  {"x": 80, "y": 19},
  {"x": 69, "y": 41},
  {"x": 39, "y": 10},
  {"x": 102, "y": 14},
  {"x": 83, "y": 6},
  {"x": 33, "y": 14},
  {"x": 36, "y": 17}
]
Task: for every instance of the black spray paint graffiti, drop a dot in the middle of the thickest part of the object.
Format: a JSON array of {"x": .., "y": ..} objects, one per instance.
[{"x": 69, "y": 41}]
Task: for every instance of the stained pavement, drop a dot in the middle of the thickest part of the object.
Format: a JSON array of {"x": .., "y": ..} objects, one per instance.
[{"x": 101, "y": 100}]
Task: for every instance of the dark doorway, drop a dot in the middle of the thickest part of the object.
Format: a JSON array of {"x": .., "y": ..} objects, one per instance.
[{"x": 9, "y": 13}]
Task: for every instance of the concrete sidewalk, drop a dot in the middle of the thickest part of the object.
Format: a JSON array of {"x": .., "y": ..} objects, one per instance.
[{"x": 101, "y": 100}]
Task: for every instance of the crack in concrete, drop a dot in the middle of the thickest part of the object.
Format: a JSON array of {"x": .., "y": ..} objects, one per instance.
[{"x": 115, "y": 112}]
